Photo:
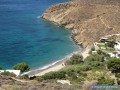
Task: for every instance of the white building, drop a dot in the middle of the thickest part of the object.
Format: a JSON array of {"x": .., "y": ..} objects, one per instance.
[
  {"x": 2, "y": 71},
  {"x": 115, "y": 54},
  {"x": 112, "y": 55},
  {"x": 117, "y": 46},
  {"x": 16, "y": 72}
]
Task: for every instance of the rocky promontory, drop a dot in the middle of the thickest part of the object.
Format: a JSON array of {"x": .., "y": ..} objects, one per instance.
[{"x": 89, "y": 19}]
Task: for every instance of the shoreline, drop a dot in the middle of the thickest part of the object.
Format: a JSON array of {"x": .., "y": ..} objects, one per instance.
[{"x": 59, "y": 64}]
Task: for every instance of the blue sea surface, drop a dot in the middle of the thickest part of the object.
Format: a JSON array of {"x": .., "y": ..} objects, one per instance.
[{"x": 26, "y": 38}]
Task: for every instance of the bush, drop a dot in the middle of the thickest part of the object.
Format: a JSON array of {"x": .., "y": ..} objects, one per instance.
[
  {"x": 85, "y": 67},
  {"x": 24, "y": 77},
  {"x": 117, "y": 75},
  {"x": 92, "y": 49},
  {"x": 81, "y": 78},
  {"x": 118, "y": 81},
  {"x": 73, "y": 76},
  {"x": 39, "y": 78},
  {"x": 21, "y": 66},
  {"x": 102, "y": 53},
  {"x": 75, "y": 59},
  {"x": 94, "y": 61},
  {"x": 92, "y": 58},
  {"x": 76, "y": 69},
  {"x": 54, "y": 75},
  {"x": 111, "y": 44},
  {"x": 105, "y": 81},
  {"x": 8, "y": 74},
  {"x": 113, "y": 64},
  {"x": 99, "y": 52}
]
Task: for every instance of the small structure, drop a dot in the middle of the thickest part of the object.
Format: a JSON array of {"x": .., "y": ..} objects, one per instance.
[
  {"x": 16, "y": 72},
  {"x": 117, "y": 46},
  {"x": 115, "y": 54},
  {"x": 1, "y": 71},
  {"x": 94, "y": 52},
  {"x": 64, "y": 82}
]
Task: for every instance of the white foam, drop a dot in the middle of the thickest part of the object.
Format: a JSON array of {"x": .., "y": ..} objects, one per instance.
[{"x": 39, "y": 17}]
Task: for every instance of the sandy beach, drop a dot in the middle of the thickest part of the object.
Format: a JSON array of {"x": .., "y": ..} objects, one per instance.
[{"x": 60, "y": 64}]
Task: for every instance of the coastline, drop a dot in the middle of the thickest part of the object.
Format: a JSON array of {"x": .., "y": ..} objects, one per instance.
[{"x": 59, "y": 64}]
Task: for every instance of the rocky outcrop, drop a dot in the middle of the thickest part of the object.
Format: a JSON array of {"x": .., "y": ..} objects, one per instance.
[{"x": 89, "y": 19}]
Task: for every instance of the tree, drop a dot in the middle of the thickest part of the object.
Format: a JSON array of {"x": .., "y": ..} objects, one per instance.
[
  {"x": 21, "y": 66},
  {"x": 0, "y": 68},
  {"x": 113, "y": 64},
  {"x": 75, "y": 59}
]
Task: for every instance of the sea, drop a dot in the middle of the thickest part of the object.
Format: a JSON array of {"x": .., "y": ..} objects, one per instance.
[{"x": 26, "y": 38}]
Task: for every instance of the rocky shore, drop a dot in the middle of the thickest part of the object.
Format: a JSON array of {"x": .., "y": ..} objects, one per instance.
[{"x": 88, "y": 19}]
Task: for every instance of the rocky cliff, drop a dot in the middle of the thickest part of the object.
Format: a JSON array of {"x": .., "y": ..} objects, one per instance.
[{"x": 89, "y": 19}]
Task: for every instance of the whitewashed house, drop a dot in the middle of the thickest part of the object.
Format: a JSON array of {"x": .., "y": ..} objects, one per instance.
[
  {"x": 2, "y": 71},
  {"x": 115, "y": 54},
  {"x": 117, "y": 46},
  {"x": 16, "y": 72},
  {"x": 112, "y": 55}
]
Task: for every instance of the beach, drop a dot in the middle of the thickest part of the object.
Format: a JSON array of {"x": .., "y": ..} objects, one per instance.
[{"x": 56, "y": 66}]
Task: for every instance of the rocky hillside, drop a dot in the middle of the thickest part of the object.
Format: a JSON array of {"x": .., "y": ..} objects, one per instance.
[
  {"x": 8, "y": 83},
  {"x": 89, "y": 19}
]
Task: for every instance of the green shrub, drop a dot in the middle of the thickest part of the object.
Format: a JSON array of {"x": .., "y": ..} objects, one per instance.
[
  {"x": 73, "y": 75},
  {"x": 111, "y": 43},
  {"x": 99, "y": 52},
  {"x": 39, "y": 78},
  {"x": 75, "y": 59},
  {"x": 92, "y": 49},
  {"x": 21, "y": 66},
  {"x": 85, "y": 67},
  {"x": 8, "y": 74},
  {"x": 117, "y": 75},
  {"x": 118, "y": 81},
  {"x": 24, "y": 77},
  {"x": 77, "y": 68},
  {"x": 92, "y": 58},
  {"x": 94, "y": 61},
  {"x": 113, "y": 64},
  {"x": 105, "y": 81},
  {"x": 81, "y": 78},
  {"x": 54, "y": 75}
]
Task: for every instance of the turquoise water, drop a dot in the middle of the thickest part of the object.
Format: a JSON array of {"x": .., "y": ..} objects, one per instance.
[{"x": 25, "y": 38}]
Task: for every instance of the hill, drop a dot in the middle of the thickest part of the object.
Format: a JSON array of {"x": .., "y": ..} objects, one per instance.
[{"x": 89, "y": 19}]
